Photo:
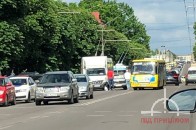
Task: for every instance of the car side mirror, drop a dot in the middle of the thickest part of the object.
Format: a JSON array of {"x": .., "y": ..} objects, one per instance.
[
  {"x": 74, "y": 80},
  {"x": 184, "y": 100},
  {"x": 36, "y": 81}
]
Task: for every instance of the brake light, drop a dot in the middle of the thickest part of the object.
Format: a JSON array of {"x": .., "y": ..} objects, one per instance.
[{"x": 175, "y": 75}]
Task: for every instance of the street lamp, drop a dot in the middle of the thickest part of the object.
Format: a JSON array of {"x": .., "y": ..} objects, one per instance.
[{"x": 164, "y": 52}]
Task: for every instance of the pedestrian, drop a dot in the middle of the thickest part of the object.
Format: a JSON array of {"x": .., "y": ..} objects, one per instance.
[
  {"x": 110, "y": 76},
  {"x": 127, "y": 76}
]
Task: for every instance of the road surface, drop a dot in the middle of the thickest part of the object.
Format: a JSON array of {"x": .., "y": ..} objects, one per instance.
[{"x": 109, "y": 110}]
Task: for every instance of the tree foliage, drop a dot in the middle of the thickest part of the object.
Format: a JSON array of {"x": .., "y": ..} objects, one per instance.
[{"x": 37, "y": 36}]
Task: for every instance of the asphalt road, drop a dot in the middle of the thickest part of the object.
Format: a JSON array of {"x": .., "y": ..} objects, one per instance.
[{"x": 109, "y": 110}]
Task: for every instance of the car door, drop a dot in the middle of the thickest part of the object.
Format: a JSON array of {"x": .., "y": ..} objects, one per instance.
[
  {"x": 74, "y": 84},
  {"x": 9, "y": 90},
  {"x": 33, "y": 86},
  {"x": 90, "y": 84}
]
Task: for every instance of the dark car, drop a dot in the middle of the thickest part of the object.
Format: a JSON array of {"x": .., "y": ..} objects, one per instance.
[
  {"x": 57, "y": 86},
  {"x": 172, "y": 78}
]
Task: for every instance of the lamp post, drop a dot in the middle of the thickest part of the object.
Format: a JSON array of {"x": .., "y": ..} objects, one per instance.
[{"x": 163, "y": 53}]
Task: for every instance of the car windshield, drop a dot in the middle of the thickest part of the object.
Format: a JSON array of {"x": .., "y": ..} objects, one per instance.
[
  {"x": 143, "y": 68},
  {"x": 18, "y": 82},
  {"x": 192, "y": 72},
  {"x": 119, "y": 72},
  {"x": 81, "y": 78},
  {"x": 2, "y": 82},
  {"x": 55, "y": 78},
  {"x": 96, "y": 71}
]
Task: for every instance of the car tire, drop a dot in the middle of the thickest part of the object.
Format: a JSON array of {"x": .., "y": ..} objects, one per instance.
[
  {"x": 37, "y": 102},
  {"x": 76, "y": 100},
  {"x": 91, "y": 96},
  {"x": 45, "y": 102},
  {"x": 125, "y": 87},
  {"x": 177, "y": 84},
  {"x": 14, "y": 101},
  {"x": 29, "y": 98},
  {"x": 6, "y": 101},
  {"x": 134, "y": 88},
  {"x": 71, "y": 100},
  {"x": 88, "y": 97}
]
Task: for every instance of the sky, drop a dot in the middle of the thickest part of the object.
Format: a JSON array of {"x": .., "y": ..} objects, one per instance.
[{"x": 166, "y": 23}]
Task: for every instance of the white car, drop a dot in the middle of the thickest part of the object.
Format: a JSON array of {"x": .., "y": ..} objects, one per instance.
[{"x": 24, "y": 88}]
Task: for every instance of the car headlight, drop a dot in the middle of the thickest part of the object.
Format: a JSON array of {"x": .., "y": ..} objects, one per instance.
[
  {"x": 39, "y": 90},
  {"x": 1, "y": 92},
  {"x": 65, "y": 89},
  {"x": 23, "y": 90}
]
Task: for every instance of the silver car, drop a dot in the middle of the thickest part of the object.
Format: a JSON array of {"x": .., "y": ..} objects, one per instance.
[
  {"x": 85, "y": 86},
  {"x": 57, "y": 86}
]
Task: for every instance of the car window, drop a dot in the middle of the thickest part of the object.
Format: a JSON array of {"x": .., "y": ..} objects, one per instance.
[
  {"x": 19, "y": 81},
  {"x": 81, "y": 78},
  {"x": 2, "y": 82},
  {"x": 192, "y": 72},
  {"x": 55, "y": 78}
]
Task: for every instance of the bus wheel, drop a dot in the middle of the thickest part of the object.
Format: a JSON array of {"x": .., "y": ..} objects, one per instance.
[{"x": 134, "y": 88}]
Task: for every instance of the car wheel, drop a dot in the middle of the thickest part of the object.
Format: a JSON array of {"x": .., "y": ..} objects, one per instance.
[
  {"x": 76, "y": 100},
  {"x": 6, "y": 101},
  {"x": 125, "y": 87},
  {"x": 71, "y": 100},
  {"x": 91, "y": 96},
  {"x": 177, "y": 84},
  {"x": 37, "y": 102},
  {"x": 45, "y": 102},
  {"x": 88, "y": 97},
  {"x": 14, "y": 101},
  {"x": 29, "y": 98},
  {"x": 135, "y": 88}
]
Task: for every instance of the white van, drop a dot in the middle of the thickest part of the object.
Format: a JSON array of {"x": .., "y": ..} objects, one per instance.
[{"x": 191, "y": 76}]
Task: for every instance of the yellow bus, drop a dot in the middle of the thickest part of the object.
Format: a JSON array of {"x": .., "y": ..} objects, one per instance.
[{"x": 148, "y": 73}]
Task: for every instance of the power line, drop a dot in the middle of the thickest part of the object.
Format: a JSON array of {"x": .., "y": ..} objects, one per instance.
[{"x": 187, "y": 20}]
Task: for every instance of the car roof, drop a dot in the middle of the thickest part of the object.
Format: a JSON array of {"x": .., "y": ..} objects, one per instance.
[
  {"x": 80, "y": 74},
  {"x": 58, "y": 72},
  {"x": 19, "y": 77}
]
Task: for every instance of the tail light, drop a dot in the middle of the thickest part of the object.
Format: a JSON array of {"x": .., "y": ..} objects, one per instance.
[{"x": 175, "y": 76}]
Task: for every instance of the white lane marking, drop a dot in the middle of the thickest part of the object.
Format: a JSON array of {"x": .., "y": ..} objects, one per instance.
[
  {"x": 106, "y": 98},
  {"x": 55, "y": 112},
  {"x": 95, "y": 115},
  {"x": 35, "y": 117},
  {"x": 5, "y": 127},
  {"x": 44, "y": 116}
]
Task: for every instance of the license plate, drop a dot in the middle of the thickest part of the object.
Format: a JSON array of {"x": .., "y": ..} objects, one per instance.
[
  {"x": 143, "y": 85},
  {"x": 51, "y": 90},
  {"x": 51, "y": 94}
]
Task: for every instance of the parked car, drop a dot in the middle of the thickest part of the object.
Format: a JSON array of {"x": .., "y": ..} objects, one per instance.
[
  {"x": 191, "y": 76},
  {"x": 57, "y": 86},
  {"x": 85, "y": 86},
  {"x": 7, "y": 92},
  {"x": 172, "y": 78},
  {"x": 25, "y": 88}
]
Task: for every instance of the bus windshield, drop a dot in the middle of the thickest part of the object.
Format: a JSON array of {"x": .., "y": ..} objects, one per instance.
[{"x": 143, "y": 68}]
